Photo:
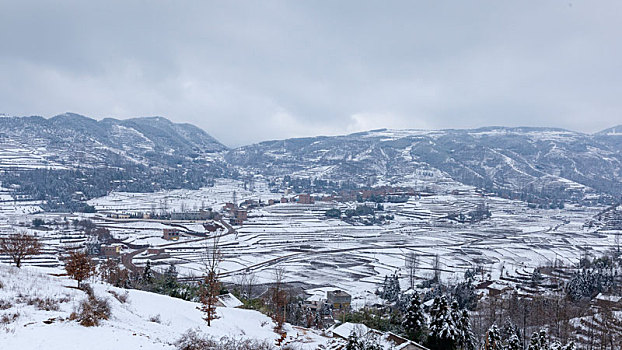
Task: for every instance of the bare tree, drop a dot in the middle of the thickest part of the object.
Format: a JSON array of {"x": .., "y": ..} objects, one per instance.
[
  {"x": 210, "y": 287},
  {"x": 18, "y": 246},
  {"x": 411, "y": 267},
  {"x": 79, "y": 266},
  {"x": 246, "y": 281},
  {"x": 278, "y": 298}
]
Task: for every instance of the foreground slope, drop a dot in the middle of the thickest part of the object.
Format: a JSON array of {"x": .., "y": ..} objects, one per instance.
[{"x": 145, "y": 320}]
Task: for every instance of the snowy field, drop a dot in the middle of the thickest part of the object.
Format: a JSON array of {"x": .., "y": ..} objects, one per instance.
[{"x": 329, "y": 252}]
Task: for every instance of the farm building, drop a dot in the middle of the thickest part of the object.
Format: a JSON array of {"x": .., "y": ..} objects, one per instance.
[
  {"x": 228, "y": 300},
  {"x": 305, "y": 198},
  {"x": 171, "y": 234},
  {"x": 339, "y": 299},
  {"x": 111, "y": 250}
]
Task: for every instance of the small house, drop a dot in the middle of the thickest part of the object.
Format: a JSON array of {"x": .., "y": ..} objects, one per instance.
[
  {"x": 155, "y": 251},
  {"x": 113, "y": 250},
  {"x": 305, "y": 198},
  {"x": 339, "y": 299},
  {"x": 228, "y": 300},
  {"x": 171, "y": 234}
]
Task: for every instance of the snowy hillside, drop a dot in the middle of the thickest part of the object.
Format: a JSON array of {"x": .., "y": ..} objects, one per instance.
[
  {"x": 529, "y": 160},
  {"x": 35, "y": 308}
]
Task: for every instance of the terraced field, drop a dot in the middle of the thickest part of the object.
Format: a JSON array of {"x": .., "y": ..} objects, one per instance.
[{"x": 317, "y": 250}]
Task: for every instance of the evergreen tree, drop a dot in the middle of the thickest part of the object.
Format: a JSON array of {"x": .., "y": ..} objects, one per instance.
[
  {"x": 493, "y": 339},
  {"x": 542, "y": 338},
  {"x": 534, "y": 343},
  {"x": 147, "y": 275},
  {"x": 467, "y": 339},
  {"x": 443, "y": 331},
  {"x": 513, "y": 343},
  {"x": 414, "y": 322},
  {"x": 353, "y": 341},
  {"x": 569, "y": 346},
  {"x": 390, "y": 288}
]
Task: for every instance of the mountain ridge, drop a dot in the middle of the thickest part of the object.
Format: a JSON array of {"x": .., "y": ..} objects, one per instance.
[{"x": 154, "y": 153}]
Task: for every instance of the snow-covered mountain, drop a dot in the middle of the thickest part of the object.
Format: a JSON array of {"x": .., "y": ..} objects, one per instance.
[
  {"x": 145, "y": 154},
  {"x": 71, "y": 140},
  {"x": 532, "y": 160},
  {"x": 69, "y": 156}
]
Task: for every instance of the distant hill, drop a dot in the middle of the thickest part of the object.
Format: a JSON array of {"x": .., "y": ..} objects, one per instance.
[
  {"x": 534, "y": 161},
  {"x": 52, "y": 159}
]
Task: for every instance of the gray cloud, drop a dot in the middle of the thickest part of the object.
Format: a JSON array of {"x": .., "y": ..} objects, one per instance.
[{"x": 251, "y": 71}]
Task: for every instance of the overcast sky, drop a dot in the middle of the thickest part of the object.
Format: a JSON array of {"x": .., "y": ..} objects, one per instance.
[{"x": 257, "y": 70}]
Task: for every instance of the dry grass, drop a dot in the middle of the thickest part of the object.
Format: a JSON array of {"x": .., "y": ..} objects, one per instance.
[
  {"x": 191, "y": 340},
  {"x": 121, "y": 297},
  {"x": 9, "y": 318}
]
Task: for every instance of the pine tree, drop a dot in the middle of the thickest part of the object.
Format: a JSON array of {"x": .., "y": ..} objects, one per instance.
[
  {"x": 443, "y": 331},
  {"x": 467, "y": 339},
  {"x": 210, "y": 286},
  {"x": 569, "y": 346},
  {"x": 493, "y": 339},
  {"x": 147, "y": 275},
  {"x": 382, "y": 293},
  {"x": 414, "y": 322},
  {"x": 542, "y": 338},
  {"x": 513, "y": 343},
  {"x": 353, "y": 341},
  {"x": 396, "y": 287},
  {"x": 534, "y": 343}
]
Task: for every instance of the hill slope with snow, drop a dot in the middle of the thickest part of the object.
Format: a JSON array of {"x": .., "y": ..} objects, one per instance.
[
  {"x": 145, "y": 320},
  {"x": 537, "y": 161}
]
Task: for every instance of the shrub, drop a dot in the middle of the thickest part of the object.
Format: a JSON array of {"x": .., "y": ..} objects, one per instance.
[
  {"x": 191, "y": 340},
  {"x": 5, "y": 304},
  {"x": 91, "y": 311},
  {"x": 155, "y": 319},
  {"x": 47, "y": 304},
  {"x": 121, "y": 297},
  {"x": 9, "y": 318}
]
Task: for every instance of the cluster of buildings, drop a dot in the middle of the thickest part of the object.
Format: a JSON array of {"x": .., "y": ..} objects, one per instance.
[
  {"x": 328, "y": 299},
  {"x": 192, "y": 215}
]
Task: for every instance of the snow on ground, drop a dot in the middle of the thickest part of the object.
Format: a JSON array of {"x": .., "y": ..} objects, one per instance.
[
  {"x": 323, "y": 252},
  {"x": 131, "y": 326}
]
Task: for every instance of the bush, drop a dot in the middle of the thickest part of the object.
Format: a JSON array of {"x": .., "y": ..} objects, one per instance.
[
  {"x": 9, "y": 318},
  {"x": 191, "y": 340},
  {"x": 46, "y": 304},
  {"x": 5, "y": 304},
  {"x": 121, "y": 297},
  {"x": 333, "y": 213},
  {"x": 91, "y": 311},
  {"x": 38, "y": 222}
]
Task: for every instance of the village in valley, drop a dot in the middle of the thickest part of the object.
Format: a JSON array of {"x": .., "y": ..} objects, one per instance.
[{"x": 324, "y": 266}]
